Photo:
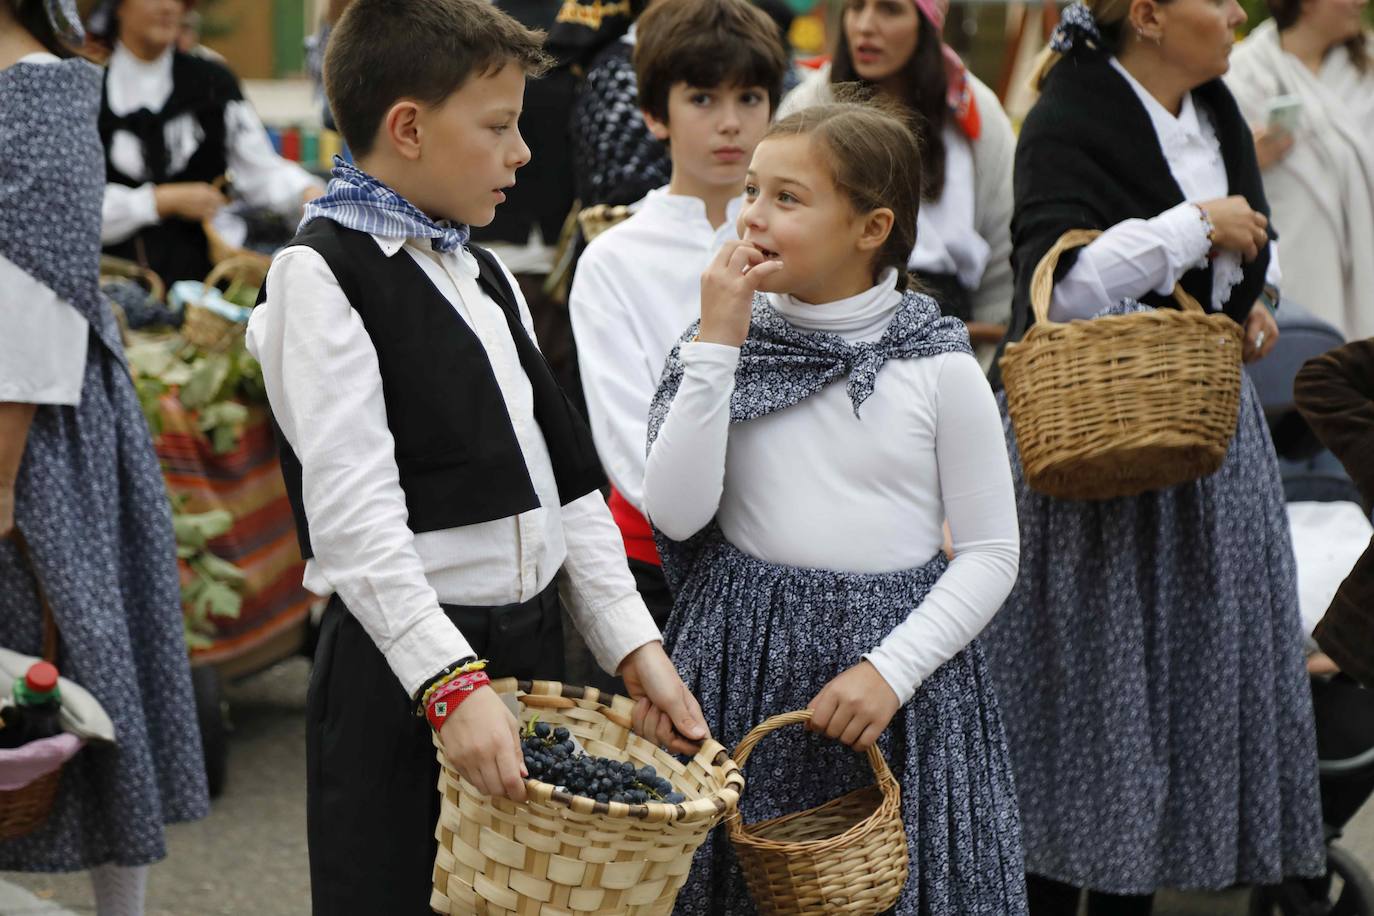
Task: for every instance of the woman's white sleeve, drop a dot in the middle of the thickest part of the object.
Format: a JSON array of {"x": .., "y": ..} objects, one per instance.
[
  {"x": 43, "y": 340},
  {"x": 1134, "y": 257},
  {"x": 260, "y": 175},
  {"x": 124, "y": 211}
]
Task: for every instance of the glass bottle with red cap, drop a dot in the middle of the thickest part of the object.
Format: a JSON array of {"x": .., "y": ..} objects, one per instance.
[{"x": 35, "y": 709}]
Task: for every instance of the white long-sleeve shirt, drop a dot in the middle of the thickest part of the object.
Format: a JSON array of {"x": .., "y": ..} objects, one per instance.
[
  {"x": 43, "y": 337},
  {"x": 260, "y": 175},
  {"x": 815, "y": 486},
  {"x": 637, "y": 288},
  {"x": 323, "y": 381},
  {"x": 1139, "y": 256}
]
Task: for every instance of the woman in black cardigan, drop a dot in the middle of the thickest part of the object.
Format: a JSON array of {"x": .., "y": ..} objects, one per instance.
[{"x": 1148, "y": 661}]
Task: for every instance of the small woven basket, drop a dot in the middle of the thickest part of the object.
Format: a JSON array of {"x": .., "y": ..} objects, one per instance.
[
  {"x": 846, "y": 856},
  {"x": 1121, "y": 404},
  {"x": 557, "y": 854},
  {"x": 23, "y": 810},
  {"x": 213, "y": 332}
]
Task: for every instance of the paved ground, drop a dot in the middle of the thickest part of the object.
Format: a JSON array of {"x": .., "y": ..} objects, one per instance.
[{"x": 249, "y": 857}]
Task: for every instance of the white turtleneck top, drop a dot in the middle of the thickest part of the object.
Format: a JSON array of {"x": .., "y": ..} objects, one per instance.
[{"x": 813, "y": 486}]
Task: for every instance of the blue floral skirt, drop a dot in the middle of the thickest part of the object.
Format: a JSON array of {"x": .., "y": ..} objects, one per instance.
[
  {"x": 93, "y": 508},
  {"x": 1150, "y": 671},
  {"x": 753, "y": 639}
]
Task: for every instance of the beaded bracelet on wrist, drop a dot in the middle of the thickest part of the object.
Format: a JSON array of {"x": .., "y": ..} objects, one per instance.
[
  {"x": 449, "y": 696},
  {"x": 462, "y": 666}
]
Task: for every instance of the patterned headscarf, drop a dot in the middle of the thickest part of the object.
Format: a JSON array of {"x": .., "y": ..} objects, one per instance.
[
  {"x": 356, "y": 200},
  {"x": 1077, "y": 24}
]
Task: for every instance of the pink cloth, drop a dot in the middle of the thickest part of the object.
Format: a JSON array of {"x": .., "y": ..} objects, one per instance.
[{"x": 22, "y": 765}]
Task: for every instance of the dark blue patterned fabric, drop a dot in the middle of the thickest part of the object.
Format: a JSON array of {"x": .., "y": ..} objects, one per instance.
[
  {"x": 615, "y": 157},
  {"x": 1150, "y": 670},
  {"x": 92, "y": 505},
  {"x": 753, "y": 639}
]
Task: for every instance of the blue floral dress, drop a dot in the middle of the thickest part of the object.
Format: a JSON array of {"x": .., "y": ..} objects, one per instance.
[{"x": 92, "y": 506}]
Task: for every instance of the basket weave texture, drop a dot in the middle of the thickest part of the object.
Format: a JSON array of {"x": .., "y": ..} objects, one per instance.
[
  {"x": 846, "y": 856},
  {"x": 1121, "y": 404},
  {"x": 596, "y": 220},
  {"x": 558, "y": 854},
  {"x": 206, "y": 329},
  {"x": 23, "y": 810}
]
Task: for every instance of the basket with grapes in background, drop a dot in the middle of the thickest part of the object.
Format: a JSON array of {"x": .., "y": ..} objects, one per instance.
[{"x": 610, "y": 823}]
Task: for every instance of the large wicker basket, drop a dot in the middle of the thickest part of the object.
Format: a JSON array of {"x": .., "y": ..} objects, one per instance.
[
  {"x": 563, "y": 854},
  {"x": 1121, "y": 404},
  {"x": 24, "y": 810},
  {"x": 205, "y": 328},
  {"x": 846, "y": 856}
]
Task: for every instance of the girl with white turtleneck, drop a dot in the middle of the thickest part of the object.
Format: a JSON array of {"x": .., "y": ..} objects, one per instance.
[{"x": 807, "y": 442}]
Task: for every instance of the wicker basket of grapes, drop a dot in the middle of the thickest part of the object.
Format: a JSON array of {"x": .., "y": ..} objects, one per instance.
[{"x": 610, "y": 824}]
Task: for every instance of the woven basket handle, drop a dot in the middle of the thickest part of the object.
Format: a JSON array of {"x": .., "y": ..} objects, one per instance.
[
  {"x": 767, "y": 727},
  {"x": 49, "y": 621},
  {"x": 1042, "y": 281},
  {"x": 224, "y": 268}
]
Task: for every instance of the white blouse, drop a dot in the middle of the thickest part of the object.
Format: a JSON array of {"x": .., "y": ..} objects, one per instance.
[
  {"x": 43, "y": 338},
  {"x": 260, "y": 175},
  {"x": 1138, "y": 256},
  {"x": 947, "y": 238},
  {"x": 815, "y": 486}
]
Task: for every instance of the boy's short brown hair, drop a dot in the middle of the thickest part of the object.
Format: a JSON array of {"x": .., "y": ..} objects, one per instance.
[
  {"x": 706, "y": 43},
  {"x": 385, "y": 50}
]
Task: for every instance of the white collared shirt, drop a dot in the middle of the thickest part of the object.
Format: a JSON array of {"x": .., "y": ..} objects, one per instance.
[
  {"x": 1139, "y": 256},
  {"x": 260, "y": 175},
  {"x": 637, "y": 288},
  {"x": 320, "y": 367}
]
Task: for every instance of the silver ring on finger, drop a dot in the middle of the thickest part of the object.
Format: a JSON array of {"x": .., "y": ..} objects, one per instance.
[{"x": 1259, "y": 340}]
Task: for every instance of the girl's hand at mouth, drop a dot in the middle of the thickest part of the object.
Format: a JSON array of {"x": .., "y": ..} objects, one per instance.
[{"x": 727, "y": 292}]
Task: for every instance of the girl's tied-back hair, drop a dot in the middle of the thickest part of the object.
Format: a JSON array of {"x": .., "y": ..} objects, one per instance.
[
  {"x": 927, "y": 91},
  {"x": 1286, "y": 14},
  {"x": 873, "y": 158},
  {"x": 1098, "y": 24}
]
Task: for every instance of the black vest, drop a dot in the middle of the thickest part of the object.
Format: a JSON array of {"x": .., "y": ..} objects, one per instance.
[
  {"x": 459, "y": 460},
  {"x": 175, "y": 248}
]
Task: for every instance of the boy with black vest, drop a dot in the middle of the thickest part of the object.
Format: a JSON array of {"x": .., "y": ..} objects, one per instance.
[{"x": 445, "y": 492}]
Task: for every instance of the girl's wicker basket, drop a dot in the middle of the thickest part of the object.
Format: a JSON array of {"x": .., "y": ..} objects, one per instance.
[
  {"x": 24, "y": 810},
  {"x": 846, "y": 856},
  {"x": 209, "y": 330},
  {"x": 563, "y": 854},
  {"x": 1121, "y": 404}
]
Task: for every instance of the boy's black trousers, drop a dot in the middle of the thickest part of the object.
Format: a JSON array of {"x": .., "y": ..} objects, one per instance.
[{"x": 371, "y": 773}]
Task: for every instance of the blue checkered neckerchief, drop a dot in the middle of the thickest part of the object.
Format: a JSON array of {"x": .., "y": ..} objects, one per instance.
[{"x": 356, "y": 200}]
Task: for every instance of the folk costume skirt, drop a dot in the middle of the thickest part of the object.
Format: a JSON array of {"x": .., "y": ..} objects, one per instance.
[
  {"x": 92, "y": 506},
  {"x": 1150, "y": 669},
  {"x": 753, "y": 639}
]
